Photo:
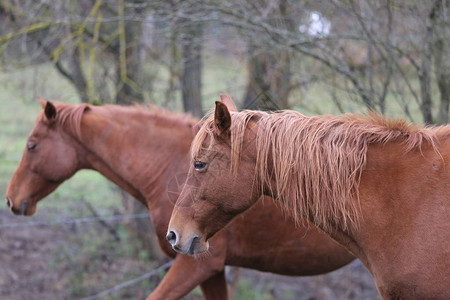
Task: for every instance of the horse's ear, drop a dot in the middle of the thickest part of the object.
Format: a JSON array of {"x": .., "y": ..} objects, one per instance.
[
  {"x": 222, "y": 118},
  {"x": 42, "y": 101},
  {"x": 228, "y": 102},
  {"x": 50, "y": 111}
]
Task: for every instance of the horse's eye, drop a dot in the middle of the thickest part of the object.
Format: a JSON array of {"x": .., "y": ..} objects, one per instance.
[
  {"x": 200, "y": 166},
  {"x": 31, "y": 146}
]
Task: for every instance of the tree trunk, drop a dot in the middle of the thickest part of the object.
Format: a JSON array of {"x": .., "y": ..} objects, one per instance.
[
  {"x": 258, "y": 86},
  {"x": 77, "y": 77},
  {"x": 425, "y": 75},
  {"x": 174, "y": 68},
  {"x": 268, "y": 84},
  {"x": 269, "y": 73},
  {"x": 191, "y": 79},
  {"x": 129, "y": 88},
  {"x": 442, "y": 67},
  {"x": 441, "y": 51}
]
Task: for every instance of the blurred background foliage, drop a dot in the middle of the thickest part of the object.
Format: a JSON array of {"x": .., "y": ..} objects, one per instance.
[
  {"x": 320, "y": 56},
  {"x": 317, "y": 57}
]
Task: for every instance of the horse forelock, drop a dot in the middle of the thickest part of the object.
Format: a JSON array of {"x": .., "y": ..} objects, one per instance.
[
  {"x": 316, "y": 162},
  {"x": 206, "y": 132}
]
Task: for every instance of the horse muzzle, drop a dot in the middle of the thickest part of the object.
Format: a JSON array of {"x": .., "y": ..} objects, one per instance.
[
  {"x": 193, "y": 245},
  {"x": 21, "y": 210}
]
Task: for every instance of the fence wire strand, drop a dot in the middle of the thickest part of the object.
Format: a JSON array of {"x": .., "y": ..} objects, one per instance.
[
  {"x": 130, "y": 282},
  {"x": 91, "y": 220},
  {"x": 75, "y": 221}
]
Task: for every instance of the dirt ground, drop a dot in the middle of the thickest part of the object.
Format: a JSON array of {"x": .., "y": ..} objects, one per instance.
[
  {"x": 51, "y": 263},
  {"x": 64, "y": 262},
  {"x": 350, "y": 282},
  {"x": 24, "y": 262}
]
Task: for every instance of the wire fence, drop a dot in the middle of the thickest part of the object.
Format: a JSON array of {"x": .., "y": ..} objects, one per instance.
[
  {"x": 92, "y": 220},
  {"x": 76, "y": 221},
  {"x": 130, "y": 282}
]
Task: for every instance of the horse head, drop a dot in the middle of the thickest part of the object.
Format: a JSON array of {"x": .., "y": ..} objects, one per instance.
[
  {"x": 213, "y": 194},
  {"x": 49, "y": 158}
]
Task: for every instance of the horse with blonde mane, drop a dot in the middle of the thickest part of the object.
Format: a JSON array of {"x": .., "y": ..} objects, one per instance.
[
  {"x": 380, "y": 188},
  {"x": 142, "y": 150}
]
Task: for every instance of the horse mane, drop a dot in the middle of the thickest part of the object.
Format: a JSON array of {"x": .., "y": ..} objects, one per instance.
[
  {"x": 69, "y": 116},
  {"x": 315, "y": 162}
]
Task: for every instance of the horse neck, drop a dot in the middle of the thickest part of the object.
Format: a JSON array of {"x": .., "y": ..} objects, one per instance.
[{"x": 140, "y": 154}]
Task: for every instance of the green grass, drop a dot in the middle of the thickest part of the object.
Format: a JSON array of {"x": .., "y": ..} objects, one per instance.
[{"x": 247, "y": 289}]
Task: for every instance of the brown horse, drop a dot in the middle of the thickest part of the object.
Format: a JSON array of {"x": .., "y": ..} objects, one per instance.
[
  {"x": 141, "y": 150},
  {"x": 380, "y": 188}
]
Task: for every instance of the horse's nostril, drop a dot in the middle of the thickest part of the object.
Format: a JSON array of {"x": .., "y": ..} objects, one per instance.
[
  {"x": 194, "y": 242},
  {"x": 172, "y": 237},
  {"x": 8, "y": 202}
]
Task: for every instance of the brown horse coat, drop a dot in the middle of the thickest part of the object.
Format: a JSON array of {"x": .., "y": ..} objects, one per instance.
[{"x": 142, "y": 151}]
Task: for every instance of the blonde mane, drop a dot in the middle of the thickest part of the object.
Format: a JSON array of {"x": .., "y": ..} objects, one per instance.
[{"x": 315, "y": 162}]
